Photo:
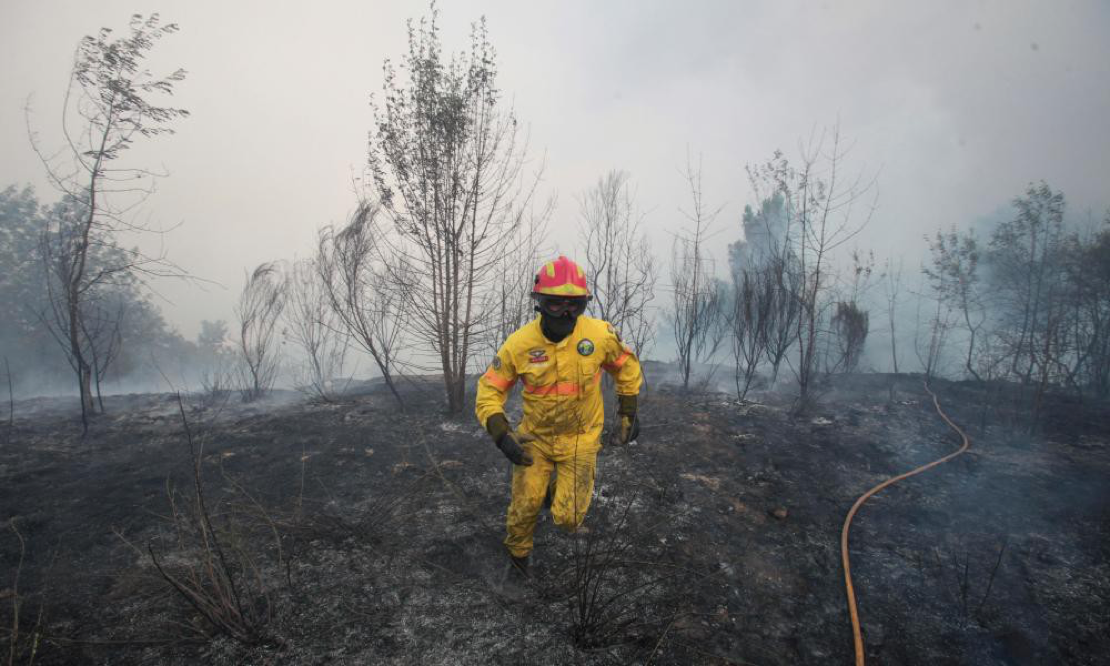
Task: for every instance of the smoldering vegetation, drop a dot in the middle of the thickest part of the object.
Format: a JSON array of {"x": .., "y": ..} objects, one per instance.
[{"x": 276, "y": 506}]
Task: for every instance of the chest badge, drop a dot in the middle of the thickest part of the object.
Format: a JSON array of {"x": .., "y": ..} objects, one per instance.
[
  {"x": 537, "y": 356},
  {"x": 586, "y": 347}
]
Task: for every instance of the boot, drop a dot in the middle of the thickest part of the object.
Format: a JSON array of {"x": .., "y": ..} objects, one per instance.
[
  {"x": 516, "y": 581},
  {"x": 518, "y": 567}
]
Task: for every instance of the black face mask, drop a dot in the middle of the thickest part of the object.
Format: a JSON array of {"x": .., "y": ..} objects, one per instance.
[{"x": 557, "y": 328}]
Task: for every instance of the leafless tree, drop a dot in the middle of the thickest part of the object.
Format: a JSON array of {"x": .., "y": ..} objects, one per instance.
[
  {"x": 784, "y": 308},
  {"x": 103, "y": 330},
  {"x": 954, "y": 277},
  {"x": 311, "y": 322},
  {"x": 929, "y": 343},
  {"x": 696, "y": 309},
  {"x": 892, "y": 288},
  {"x": 448, "y": 168},
  {"x": 107, "y": 109},
  {"x": 620, "y": 266},
  {"x": 508, "y": 301},
  {"x": 821, "y": 205},
  {"x": 753, "y": 298},
  {"x": 365, "y": 293},
  {"x": 850, "y": 323},
  {"x": 767, "y": 248},
  {"x": 258, "y": 311},
  {"x": 11, "y": 401},
  {"x": 217, "y": 353}
]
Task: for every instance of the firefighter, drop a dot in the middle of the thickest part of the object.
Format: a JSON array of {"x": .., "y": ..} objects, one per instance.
[{"x": 558, "y": 357}]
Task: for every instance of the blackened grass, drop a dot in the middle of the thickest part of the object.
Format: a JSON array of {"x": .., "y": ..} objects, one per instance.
[
  {"x": 11, "y": 399},
  {"x": 221, "y": 593}
]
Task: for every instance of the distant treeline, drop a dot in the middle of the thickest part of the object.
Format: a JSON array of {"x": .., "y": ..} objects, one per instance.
[
  {"x": 135, "y": 342},
  {"x": 1023, "y": 298}
]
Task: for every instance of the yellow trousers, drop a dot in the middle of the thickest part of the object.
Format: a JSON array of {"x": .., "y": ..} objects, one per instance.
[{"x": 573, "y": 462}]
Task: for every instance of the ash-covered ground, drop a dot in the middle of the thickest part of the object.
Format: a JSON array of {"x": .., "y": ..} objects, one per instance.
[{"x": 358, "y": 533}]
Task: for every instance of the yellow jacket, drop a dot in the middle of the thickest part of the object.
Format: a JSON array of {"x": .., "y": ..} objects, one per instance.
[{"x": 561, "y": 381}]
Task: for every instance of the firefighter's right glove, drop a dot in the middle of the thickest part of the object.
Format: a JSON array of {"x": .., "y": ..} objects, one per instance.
[
  {"x": 508, "y": 441},
  {"x": 630, "y": 429}
]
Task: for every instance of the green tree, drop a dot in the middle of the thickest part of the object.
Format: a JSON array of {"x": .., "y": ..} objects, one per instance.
[
  {"x": 765, "y": 232},
  {"x": 447, "y": 168},
  {"x": 124, "y": 326},
  {"x": 108, "y": 108},
  {"x": 21, "y": 285}
]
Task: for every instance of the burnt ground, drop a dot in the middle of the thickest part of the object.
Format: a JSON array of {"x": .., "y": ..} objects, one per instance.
[{"x": 356, "y": 533}]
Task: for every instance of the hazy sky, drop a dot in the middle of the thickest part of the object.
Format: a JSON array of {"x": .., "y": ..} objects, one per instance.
[{"x": 955, "y": 105}]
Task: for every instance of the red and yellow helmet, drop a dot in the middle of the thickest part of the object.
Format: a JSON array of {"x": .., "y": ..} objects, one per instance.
[{"x": 561, "y": 277}]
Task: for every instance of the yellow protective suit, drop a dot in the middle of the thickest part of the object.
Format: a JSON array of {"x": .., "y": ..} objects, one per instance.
[{"x": 563, "y": 409}]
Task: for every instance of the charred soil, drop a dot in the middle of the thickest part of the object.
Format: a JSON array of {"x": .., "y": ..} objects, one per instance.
[{"x": 358, "y": 533}]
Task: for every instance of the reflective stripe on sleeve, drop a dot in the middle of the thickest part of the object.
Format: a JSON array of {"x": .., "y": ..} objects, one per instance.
[
  {"x": 616, "y": 365},
  {"x": 497, "y": 381}
]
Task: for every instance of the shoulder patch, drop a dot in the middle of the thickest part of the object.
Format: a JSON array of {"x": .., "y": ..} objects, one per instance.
[
  {"x": 613, "y": 332},
  {"x": 496, "y": 362}
]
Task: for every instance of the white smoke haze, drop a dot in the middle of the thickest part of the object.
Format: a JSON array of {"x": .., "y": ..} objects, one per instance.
[
  {"x": 953, "y": 108},
  {"x": 804, "y": 217}
]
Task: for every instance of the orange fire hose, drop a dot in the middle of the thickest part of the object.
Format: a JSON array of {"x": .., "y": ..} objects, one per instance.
[{"x": 856, "y": 636}]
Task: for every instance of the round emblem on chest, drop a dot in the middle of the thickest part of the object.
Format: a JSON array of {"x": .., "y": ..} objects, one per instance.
[{"x": 585, "y": 347}]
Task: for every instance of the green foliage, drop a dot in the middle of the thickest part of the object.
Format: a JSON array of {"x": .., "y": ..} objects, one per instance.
[
  {"x": 21, "y": 273},
  {"x": 24, "y": 336},
  {"x": 433, "y": 126},
  {"x": 116, "y": 87},
  {"x": 765, "y": 233},
  {"x": 448, "y": 172},
  {"x": 213, "y": 335},
  {"x": 89, "y": 277}
]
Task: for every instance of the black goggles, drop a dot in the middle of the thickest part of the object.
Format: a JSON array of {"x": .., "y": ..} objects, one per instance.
[{"x": 557, "y": 306}]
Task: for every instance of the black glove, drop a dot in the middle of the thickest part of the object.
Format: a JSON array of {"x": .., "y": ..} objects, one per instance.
[
  {"x": 510, "y": 445},
  {"x": 508, "y": 441}
]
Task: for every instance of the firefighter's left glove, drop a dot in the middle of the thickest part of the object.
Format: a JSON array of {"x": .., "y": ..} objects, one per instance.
[
  {"x": 630, "y": 423},
  {"x": 630, "y": 429},
  {"x": 508, "y": 441}
]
